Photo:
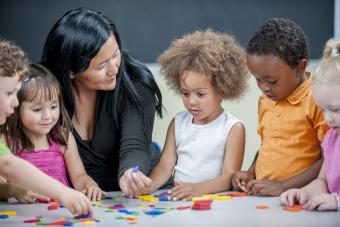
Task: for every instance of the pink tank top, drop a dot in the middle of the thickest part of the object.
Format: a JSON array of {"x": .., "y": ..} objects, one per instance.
[
  {"x": 50, "y": 161},
  {"x": 331, "y": 150}
]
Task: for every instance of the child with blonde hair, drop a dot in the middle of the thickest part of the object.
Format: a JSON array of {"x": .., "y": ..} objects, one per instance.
[
  {"x": 205, "y": 144},
  {"x": 39, "y": 131},
  {"x": 331, "y": 48},
  {"x": 13, "y": 69},
  {"x": 323, "y": 192},
  {"x": 291, "y": 126}
]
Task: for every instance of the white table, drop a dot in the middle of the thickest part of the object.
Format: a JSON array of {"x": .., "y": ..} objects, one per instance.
[{"x": 240, "y": 211}]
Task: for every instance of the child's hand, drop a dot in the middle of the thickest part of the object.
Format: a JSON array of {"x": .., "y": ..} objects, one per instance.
[
  {"x": 292, "y": 196},
  {"x": 184, "y": 191},
  {"x": 76, "y": 202},
  {"x": 134, "y": 183},
  {"x": 322, "y": 202},
  {"x": 93, "y": 192},
  {"x": 26, "y": 196},
  {"x": 240, "y": 179},
  {"x": 265, "y": 187}
]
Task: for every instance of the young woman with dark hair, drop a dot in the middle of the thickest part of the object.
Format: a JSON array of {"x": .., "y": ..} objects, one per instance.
[{"x": 110, "y": 96}]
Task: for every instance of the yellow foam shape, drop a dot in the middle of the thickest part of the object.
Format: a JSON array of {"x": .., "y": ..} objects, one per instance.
[
  {"x": 131, "y": 217},
  {"x": 222, "y": 197},
  {"x": 8, "y": 212},
  {"x": 209, "y": 196},
  {"x": 148, "y": 198},
  {"x": 97, "y": 203},
  {"x": 118, "y": 199},
  {"x": 89, "y": 222},
  {"x": 199, "y": 198}
]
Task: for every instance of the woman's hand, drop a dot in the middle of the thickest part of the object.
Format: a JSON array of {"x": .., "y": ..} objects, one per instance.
[{"x": 133, "y": 182}]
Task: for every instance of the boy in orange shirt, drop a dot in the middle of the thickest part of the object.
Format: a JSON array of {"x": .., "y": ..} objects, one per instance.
[{"x": 291, "y": 126}]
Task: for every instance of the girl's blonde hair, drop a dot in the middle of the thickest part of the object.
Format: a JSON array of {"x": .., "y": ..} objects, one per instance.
[
  {"x": 328, "y": 71},
  {"x": 40, "y": 86},
  {"x": 331, "y": 49}
]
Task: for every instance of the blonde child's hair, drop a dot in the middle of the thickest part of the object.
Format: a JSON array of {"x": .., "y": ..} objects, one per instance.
[
  {"x": 331, "y": 49},
  {"x": 328, "y": 71},
  {"x": 216, "y": 55},
  {"x": 13, "y": 60}
]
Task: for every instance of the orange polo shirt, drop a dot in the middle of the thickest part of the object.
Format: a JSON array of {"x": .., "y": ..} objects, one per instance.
[{"x": 291, "y": 132}]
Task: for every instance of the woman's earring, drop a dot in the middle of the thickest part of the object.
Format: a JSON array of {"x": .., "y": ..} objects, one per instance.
[{"x": 72, "y": 76}]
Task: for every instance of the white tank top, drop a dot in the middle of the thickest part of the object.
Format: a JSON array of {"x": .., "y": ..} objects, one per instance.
[{"x": 200, "y": 148}]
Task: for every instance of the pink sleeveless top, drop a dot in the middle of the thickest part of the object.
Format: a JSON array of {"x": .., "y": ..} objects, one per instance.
[
  {"x": 50, "y": 161},
  {"x": 331, "y": 151}
]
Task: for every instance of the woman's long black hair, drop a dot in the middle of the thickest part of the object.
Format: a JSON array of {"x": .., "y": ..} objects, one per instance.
[{"x": 71, "y": 44}]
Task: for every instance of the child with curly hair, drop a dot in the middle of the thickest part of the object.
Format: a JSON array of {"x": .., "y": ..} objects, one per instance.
[
  {"x": 205, "y": 144},
  {"x": 291, "y": 126}
]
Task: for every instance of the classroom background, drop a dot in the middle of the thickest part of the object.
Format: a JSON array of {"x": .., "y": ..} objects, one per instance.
[{"x": 148, "y": 26}]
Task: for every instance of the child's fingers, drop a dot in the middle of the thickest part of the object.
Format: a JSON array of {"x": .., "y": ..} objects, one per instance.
[
  {"x": 104, "y": 194},
  {"x": 284, "y": 199},
  {"x": 179, "y": 193},
  {"x": 187, "y": 198},
  {"x": 89, "y": 193},
  {"x": 291, "y": 198},
  {"x": 27, "y": 199},
  {"x": 235, "y": 183},
  {"x": 323, "y": 206},
  {"x": 40, "y": 197},
  {"x": 311, "y": 205},
  {"x": 86, "y": 207},
  {"x": 250, "y": 185},
  {"x": 93, "y": 194},
  {"x": 243, "y": 187},
  {"x": 302, "y": 198},
  {"x": 174, "y": 189},
  {"x": 256, "y": 187}
]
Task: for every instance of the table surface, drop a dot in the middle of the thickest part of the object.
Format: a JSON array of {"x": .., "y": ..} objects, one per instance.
[{"x": 239, "y": 211}]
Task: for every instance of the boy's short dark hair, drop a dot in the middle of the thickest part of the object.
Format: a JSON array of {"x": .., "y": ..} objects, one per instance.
[
  {"x": 13, "y": 60},
  {"x": 282, "y": 38}
]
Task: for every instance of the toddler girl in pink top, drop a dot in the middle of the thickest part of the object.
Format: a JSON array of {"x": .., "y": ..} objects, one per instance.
[
  {"x": 323, "y": 193},
  {"x": 50, "y": 161},
  {"x": 39, "y": 132}
]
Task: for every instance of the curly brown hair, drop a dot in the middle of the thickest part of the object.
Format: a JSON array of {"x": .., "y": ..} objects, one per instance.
[
  {"x": 216, "y": 55},
  {"x": 13, "y": 61}
]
